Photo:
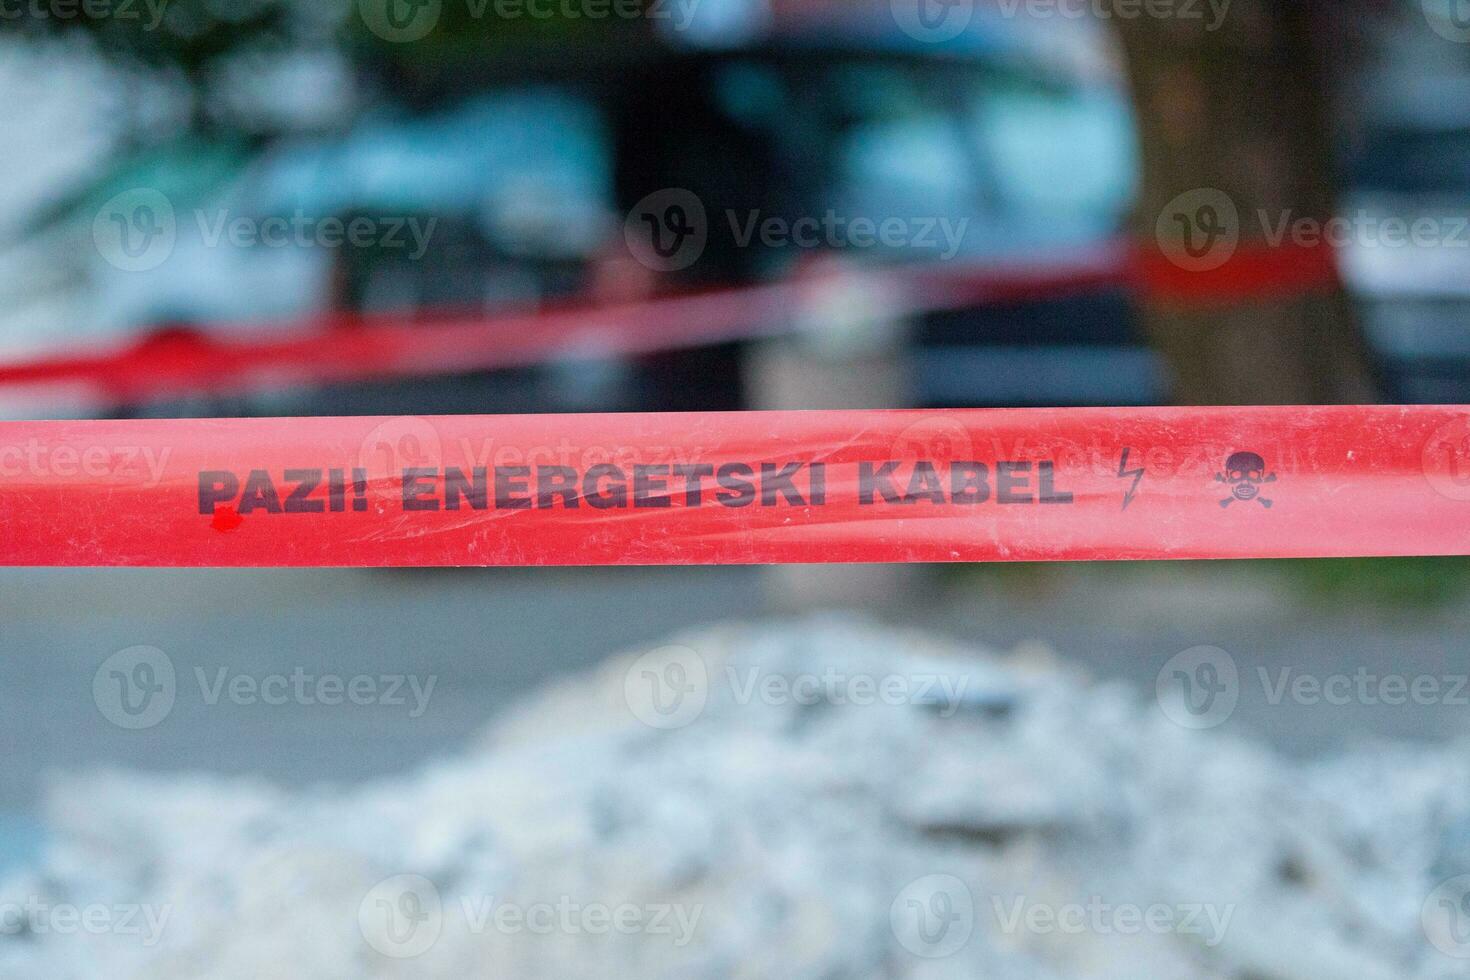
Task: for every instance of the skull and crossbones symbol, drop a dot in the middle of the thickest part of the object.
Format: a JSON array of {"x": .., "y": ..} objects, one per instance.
[{"x": 1245, "y": 472}]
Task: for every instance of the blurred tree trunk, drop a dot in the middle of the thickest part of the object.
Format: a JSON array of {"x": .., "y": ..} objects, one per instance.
[{"x": 1245, "y": 109}]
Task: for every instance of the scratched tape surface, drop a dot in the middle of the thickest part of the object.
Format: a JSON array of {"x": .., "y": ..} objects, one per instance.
[{"x": 755, "y": 487}]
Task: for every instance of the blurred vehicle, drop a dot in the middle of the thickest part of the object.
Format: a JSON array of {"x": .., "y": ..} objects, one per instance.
[
  {"x": 1017, "y": 143},
  {"x": 1014, "y": 137}
]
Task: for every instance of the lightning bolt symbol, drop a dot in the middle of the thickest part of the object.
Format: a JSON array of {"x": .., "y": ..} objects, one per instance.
[{"x": 1137, "y": 475}]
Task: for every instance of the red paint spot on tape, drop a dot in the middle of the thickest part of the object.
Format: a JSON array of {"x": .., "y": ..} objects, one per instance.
[{"x": 226, "y": 520}]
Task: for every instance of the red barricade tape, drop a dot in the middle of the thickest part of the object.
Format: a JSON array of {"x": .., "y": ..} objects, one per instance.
[
  {"x": 350, "y": 347},
  {"x": 346, "y": 347},
  {"x": 901, "y": 486}
]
